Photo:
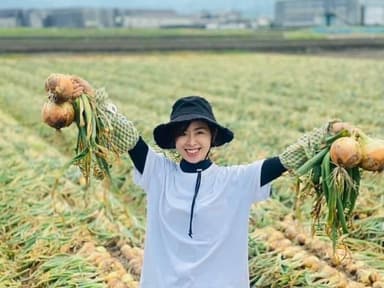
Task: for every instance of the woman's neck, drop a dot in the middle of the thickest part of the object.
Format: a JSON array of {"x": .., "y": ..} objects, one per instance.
[{"x": 194, "y": 167}]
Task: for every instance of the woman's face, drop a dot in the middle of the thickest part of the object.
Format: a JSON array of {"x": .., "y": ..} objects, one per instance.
[{"x": 194, "y": 143}]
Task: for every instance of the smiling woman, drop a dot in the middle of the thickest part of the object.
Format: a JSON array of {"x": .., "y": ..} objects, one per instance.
[
  {"x": 197, "y": 212},
  {"x": 195, "y": 142}
]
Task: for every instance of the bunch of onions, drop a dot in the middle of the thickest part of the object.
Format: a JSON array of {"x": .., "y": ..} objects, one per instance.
[
  {"x": 334, "y": 173},
  {"x": 335, "y": 176},
  {"x": 72, "y": 99},
  {"x": 361, "y": 150},
  {"x": 62, "y": 90},
  {"x": 58, "y": 111}
]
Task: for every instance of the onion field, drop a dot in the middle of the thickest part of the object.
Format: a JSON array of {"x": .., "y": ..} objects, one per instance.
[{"x": 56, "y": 233}]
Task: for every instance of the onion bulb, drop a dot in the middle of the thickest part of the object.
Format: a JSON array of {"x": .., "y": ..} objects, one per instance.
[
  {"x": 373, "y": 153},
  {"x": 60, "y": 87},
  {"x": 291, "y": 251},
  {"x": 58, "y": 115},
  {"x": 378, "y": 284},
  {"x": 312, "y": 262},
  {"x": 346, "y": 152}
]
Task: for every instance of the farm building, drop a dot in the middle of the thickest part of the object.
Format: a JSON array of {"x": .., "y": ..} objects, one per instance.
[
  {"x": 84, "y": 18},
  {"x": 301, "y": 13},
  {"x": 154, "y": 19},
  {"x": 10, "y": 18},
  {"x": 129, "y": 18},
  {"x": 373, "y": 12}
]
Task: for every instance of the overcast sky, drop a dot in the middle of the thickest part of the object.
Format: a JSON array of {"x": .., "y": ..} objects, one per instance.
[{"x": 251, "y": 7}]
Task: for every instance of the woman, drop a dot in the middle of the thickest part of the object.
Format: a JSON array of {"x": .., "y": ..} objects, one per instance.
[{"x": 197, "y": 211}]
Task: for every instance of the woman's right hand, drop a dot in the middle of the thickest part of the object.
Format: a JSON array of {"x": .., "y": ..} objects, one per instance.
[{"x": 338, "y": 126}]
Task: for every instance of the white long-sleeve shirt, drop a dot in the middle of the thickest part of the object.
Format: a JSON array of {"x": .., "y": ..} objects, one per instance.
[{"x": 217, "y": 254}]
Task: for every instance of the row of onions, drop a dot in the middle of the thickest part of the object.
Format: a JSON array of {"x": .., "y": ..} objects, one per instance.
[
  {"x": 289, "y": 266},
  {"x": 294, "y": 255},
  {"x": 110, "y": 269},
  {"x": 343, "y": 258}
]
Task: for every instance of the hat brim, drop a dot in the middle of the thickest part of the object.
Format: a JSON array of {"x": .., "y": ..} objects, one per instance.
[{"x": 164, "y": 135}]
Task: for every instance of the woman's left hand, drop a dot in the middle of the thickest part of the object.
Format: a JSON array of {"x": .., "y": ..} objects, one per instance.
[{"x": 81, "y": 86}]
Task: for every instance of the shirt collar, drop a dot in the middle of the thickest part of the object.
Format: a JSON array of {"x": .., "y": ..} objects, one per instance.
[{"x": 194, "y": 167}]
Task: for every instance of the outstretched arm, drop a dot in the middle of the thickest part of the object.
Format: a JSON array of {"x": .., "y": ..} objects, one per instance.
[
  {"x": 297, "y": 154},
  {"x": 125, "y": 137}
]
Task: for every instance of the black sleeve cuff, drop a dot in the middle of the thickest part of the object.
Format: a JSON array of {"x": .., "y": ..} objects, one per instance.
[
  {"x": 138, "y": 154},
  {"x": 271, "y": 169}
]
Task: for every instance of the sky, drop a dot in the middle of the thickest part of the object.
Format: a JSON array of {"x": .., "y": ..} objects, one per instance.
[{"x": 248, "y": 7}]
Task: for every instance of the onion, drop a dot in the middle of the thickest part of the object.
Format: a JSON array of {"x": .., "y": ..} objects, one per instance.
[
  {"x": 290, "y": 232},
  {"x": 116, "y": 283},
  {"x": 301, "y": 238},
  {"x": 312, "y": 262},
  {"x": 291, "y": 251},
  {"x": 317, "y": 247},
  {"x": 275, "y": 235},
  {"x": 58, "y": 115},
  {"x": 127, "y": 251},
  {"x": 367, "y": 277},
  {"x": 346, "y": 152},
  {"x": 373, "y": 153},
  {"x": 59, "y": 87},
  {"x": 378, "y": 284},
  {"x": 279, "y": 244},
  {"x": 354, "y": 267},
  {"x": 329, "y": 271}
]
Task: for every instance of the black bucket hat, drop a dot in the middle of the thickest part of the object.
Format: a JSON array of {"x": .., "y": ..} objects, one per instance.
[{"x": 187, "y": 109}]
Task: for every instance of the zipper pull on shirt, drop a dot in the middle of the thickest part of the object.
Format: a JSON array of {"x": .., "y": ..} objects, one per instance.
[{"x": 197, "y": 186}]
